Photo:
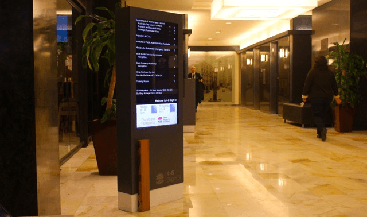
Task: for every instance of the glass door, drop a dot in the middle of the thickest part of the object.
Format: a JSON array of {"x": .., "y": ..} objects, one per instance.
[{"x": 68, "y": 103}]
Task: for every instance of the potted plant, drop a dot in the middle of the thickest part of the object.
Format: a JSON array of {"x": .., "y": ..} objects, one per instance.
[
  {"x": 349, "y": 71},
  {"x": 99, "y": 42}
]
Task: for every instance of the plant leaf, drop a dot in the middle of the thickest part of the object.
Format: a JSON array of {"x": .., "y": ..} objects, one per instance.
[
  {"x": 104, "y": 100},
  {"x": 87, "y": 55},
  {"x": 107, "y": 78},
  {"x": 81, "y": 17},
  {"x": 100, "y": 18},
  {"x": 86, "y": 30},
  {"x": 118, "y": 5},
  {"x": 94, "y": 61},
  {"x": 106, "y": 116},
  {"x": 102, "y": 8}
]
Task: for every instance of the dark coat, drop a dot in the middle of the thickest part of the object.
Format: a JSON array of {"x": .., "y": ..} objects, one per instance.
[
  {"x": 320, "y": 83},
  {"x": 200, "y": 87}
]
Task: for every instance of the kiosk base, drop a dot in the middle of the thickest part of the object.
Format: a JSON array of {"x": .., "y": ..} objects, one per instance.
[
  {"x": 189, "y": 128},
  {"x": 129, "y": 203}
]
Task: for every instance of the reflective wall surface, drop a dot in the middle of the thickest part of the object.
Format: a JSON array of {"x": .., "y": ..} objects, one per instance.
[
  {"x": 331, "y": 23},
  {"x": 265, "y": 78},
  {"x": 217, "y": 70},
  {"x": 249, "y": 79},
  {"x": 283, "y": 73},
  {"x": 358, "y": 46},
  {"x": 67, "y": 80},
  {"x": 275, "y": 79},
  {"x": 45, "y": 85}
]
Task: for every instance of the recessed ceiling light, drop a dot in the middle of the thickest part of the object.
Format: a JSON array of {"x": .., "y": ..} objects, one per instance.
[
  {"x": 210, "y": 38},
  {"x": 228, "y": 23},
  {"x": 217, "y": 32}
]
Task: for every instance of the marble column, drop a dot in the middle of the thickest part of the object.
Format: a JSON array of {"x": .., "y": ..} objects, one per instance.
[
  {"x": 29, "y": 162},
  {"x": 46, "y": 107},
  {"x": 358, "y": 44},
  {"x": 274, "y": 78}
]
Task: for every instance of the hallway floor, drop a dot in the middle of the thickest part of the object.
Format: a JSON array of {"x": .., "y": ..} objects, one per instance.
[{"x": 242, "y": 162}]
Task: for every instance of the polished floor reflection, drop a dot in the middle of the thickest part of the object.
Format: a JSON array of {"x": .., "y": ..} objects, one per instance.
[{"x": 242, "y": 162}]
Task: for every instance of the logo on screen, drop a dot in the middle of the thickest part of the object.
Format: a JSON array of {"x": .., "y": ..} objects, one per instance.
[
  {"x": 172, "y": 108},
  {"x": 153, "y": 109},
  {"x": 160, "y": 120}
]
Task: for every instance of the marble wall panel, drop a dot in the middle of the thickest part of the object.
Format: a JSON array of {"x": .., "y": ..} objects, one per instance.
[
  {"x": 45, "y": 86},
  {"x": 358, "y": 45},
  {"x": 331, "y": 21},
  {"x": 358, "y": 27},
  {"x": 338, "y": 20}
]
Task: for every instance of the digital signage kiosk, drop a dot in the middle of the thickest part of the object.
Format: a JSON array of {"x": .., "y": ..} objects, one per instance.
[{"x": 149, "y": 71}]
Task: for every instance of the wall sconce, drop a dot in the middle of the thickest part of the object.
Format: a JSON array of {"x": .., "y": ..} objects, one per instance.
[
  {"x": 286, "y": 53},
  {"x": 281, "y": 52},
  {"x": 249, "y": 62},
  {"x": 188, "y": 53},
  {"x": 248, "y": 156},
  {"x": 262, "y": 167},
  {"x": 215, "y": 69}
]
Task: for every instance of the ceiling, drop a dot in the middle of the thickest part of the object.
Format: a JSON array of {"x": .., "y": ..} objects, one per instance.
[{"x": 207, "y": 32}]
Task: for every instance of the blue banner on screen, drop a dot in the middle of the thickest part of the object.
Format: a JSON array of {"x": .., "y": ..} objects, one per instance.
[{"x": 156, "y": 73}]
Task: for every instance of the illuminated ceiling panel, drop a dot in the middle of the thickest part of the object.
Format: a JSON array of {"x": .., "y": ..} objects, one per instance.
[{"x": 259, "y": 9}]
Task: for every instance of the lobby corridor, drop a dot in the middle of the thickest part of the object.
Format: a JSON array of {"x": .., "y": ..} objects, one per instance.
[{"x": 241, "y": 163}]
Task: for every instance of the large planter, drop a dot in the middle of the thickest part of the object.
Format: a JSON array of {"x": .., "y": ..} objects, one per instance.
[
  {"x": 344, "y": 116},
  {"x": 105, "y": 146}
]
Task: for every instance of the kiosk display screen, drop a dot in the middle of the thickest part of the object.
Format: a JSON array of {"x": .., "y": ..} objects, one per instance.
[{"x": 156, "y": 73}]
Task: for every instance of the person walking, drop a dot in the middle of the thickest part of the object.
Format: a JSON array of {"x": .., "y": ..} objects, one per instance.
[{"x": 320, "y": 87}]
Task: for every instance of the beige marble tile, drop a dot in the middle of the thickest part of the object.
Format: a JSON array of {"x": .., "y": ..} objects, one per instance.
[
  {"x": 326, "y": 190},
  {"x": 90, "y": 165},
  {"x": 242, "y": 162}
]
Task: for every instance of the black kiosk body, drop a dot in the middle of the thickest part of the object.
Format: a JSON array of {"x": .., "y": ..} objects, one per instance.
[{"x": 149, "y": 88}]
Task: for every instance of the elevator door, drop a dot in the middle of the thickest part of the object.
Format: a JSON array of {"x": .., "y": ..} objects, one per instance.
[
  {"x": 265, "y": 78},
  {"x": 249, "y": 80},
  {"x": 283, "y": 73}
]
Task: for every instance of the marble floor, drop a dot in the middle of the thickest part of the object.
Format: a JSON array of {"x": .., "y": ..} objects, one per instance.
[{"x": 242, "y": 162}]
